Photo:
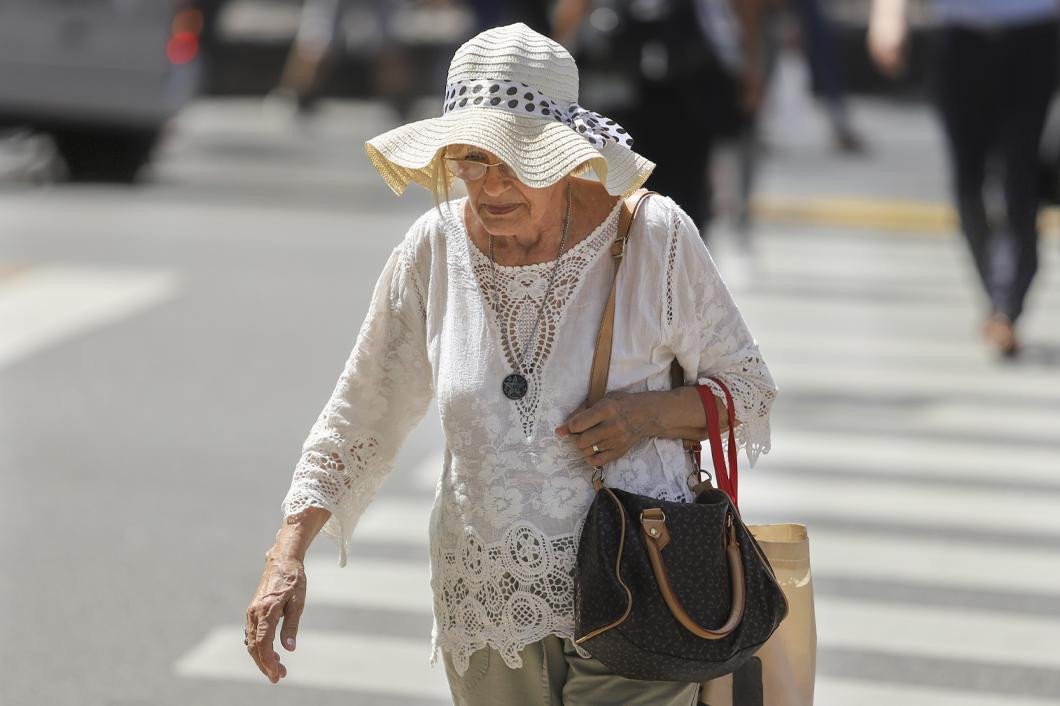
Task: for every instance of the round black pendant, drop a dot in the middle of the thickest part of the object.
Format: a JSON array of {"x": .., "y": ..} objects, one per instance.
[{"x": 515, "y": 386}]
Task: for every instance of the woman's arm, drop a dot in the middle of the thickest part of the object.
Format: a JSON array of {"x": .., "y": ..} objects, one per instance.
[
  {"x": 887, "y": 35},
  {"x": 620, "y": 420},
  {"x": 382, "y": 393},
  {"x": 297, "y": 533}
]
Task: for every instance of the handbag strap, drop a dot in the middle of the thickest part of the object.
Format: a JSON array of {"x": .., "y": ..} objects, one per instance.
[
  {"x": 728, "y": 479},
  {"x": 605, "y": 337},
  {"x": 602, "y": 355}
]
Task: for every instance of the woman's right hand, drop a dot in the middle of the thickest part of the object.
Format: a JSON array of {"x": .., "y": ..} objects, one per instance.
[{"x": 281, "y": 592}]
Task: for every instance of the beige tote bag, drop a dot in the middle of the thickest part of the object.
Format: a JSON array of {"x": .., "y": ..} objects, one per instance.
[{"x": 782, "y": 672}]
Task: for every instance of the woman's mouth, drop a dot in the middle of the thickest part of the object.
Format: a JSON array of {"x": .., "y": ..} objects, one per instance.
[{"x": 499, "y": 210}]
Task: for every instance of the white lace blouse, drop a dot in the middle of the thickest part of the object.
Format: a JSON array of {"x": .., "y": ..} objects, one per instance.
[{"x": 512, "y": 495}]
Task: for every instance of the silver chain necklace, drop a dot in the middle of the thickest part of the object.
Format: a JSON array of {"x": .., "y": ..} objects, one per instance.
[{"x": 515, "y": 385}]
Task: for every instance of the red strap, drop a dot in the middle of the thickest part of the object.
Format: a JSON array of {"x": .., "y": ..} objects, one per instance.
[{"x": 728, "y": 479}]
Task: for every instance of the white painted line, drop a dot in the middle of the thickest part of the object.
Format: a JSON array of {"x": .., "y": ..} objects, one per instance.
[
  {"x": 326, "y": 660},
  {"x": 952, "y": 634},
  {"x": 428, "y": 471},
  {"x": 954, "y": 506},
  {"x": 395, "y": 521},
  {"x": 834, "y": 691},
  {"x": 934, "y": 562},
  {"x": 1003, "y": 418},
  {"x": 370, "y": 583},
  {"x": 933, "y": 458},
  {"x": 47, "y": 305},
  {"x": 889, "y": 380}
]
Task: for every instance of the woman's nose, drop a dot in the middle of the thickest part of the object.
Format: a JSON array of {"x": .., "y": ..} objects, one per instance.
[{"x": 494, "y": 183}]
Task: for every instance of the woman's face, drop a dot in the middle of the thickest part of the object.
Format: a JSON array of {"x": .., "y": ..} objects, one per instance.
[{"x": 503, "y": 205}]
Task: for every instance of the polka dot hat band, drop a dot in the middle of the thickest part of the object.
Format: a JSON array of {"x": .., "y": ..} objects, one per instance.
[
  {"x": 521, "y": 99},
  {"x": 514, "y": 93}
]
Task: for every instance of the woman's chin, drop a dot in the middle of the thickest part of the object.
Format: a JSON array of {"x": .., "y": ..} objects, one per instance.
[{"x": 505, "y": 223}]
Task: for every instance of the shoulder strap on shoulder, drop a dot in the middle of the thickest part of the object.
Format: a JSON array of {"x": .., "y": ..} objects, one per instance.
[{"x": 602, "y": 355}]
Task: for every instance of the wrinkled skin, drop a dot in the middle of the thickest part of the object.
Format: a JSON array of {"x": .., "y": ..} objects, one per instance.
[{"x": 280, "y": 594}]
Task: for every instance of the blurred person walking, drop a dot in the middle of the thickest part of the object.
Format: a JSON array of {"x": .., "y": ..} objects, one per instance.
[
  {"x": 996, "y": 72},
  {"x": 826, "y": 73},
  {"x": 318, "y": 42},
  {"x": 693, "y": 69},
  {"x": 491, "y": 306}
]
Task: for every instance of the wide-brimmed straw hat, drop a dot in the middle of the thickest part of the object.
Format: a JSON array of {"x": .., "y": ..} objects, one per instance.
[{"x": 513, "y": 92}]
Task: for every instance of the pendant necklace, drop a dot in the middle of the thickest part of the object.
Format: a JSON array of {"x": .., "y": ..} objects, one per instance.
[{"x": 515, "y": 385}]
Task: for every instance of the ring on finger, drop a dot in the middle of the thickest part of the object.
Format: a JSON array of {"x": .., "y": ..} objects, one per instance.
[{"x": 596, "y": 448}]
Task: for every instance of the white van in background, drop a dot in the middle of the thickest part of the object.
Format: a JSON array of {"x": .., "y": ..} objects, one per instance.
[{"x": 101, "y": 76}]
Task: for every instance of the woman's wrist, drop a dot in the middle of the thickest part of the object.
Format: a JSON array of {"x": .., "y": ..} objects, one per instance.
[
  {"x": 668, "y": 414},
  {"x": 297, "y": 533}
]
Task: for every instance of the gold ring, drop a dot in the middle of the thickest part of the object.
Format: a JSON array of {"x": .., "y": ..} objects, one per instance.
[{"x": 596, "y": 449}]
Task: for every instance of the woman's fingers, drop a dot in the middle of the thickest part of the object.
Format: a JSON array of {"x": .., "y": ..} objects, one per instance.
[
  {"x": 267, "y": 656},
  {"x": 292, "y": 613},
  {"x": 254, "y": 647}
]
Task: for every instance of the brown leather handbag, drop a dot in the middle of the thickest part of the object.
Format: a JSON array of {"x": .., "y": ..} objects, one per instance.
[{"x": 667, "y": 591}]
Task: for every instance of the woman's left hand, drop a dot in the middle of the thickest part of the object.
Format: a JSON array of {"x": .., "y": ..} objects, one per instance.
[{"x": 612, "y": 425}]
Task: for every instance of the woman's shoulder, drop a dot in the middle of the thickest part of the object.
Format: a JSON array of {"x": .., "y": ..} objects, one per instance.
[
  {"x": 664, "y": 224},
  {"x": 427, "y": 236},
  {"x": 442, "y": 218}
]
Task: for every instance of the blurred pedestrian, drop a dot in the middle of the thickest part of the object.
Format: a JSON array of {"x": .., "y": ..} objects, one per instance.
[
  {"x": 491, "y": 305},
  {"x": 995, "y": 76},
  {"x": 690, "y": 68},
  {"x": 317, "y": 48},
  {"x": 826, "y": 72}
]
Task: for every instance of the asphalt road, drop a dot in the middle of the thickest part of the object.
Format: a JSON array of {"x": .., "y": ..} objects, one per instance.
[{"x": 164, "y": 350}]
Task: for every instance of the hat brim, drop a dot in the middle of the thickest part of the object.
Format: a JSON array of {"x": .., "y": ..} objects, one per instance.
[{"x": 540, "y": 151}]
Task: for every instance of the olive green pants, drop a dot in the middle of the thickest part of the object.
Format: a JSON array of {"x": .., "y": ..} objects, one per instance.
[{"x": 553, "y": 674}]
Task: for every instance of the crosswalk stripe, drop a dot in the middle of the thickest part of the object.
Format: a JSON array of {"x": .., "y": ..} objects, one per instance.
[
  {"x": 426, "y": 473},
  {"x": 891, "y": 381},
  {"x": 964, "y": 634},
  {"x": 836, "y": 691},
  {"x": 952, "y": 507},
  {"x": 930, "y": 457},
  {"x": 325, "y": 659},
  {"x": 46, "y": 305},
  {"x": 374, "y": 583},
  {"x": 939, "y": 563}
]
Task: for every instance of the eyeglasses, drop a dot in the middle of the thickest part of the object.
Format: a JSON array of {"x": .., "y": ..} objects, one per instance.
[{"x": 473, "y": 170}]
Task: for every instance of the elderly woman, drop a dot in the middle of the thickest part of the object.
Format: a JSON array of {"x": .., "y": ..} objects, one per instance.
[{"x": 490, "y": 306}]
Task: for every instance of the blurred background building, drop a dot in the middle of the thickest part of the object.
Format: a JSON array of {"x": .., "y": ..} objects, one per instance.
[{"x": 189, "y": 234}]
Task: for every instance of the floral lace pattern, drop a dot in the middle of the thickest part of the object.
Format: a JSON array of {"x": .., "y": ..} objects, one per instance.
[
  {"x": 516, "y": 296},
  {"x": 512, "y": 495}
]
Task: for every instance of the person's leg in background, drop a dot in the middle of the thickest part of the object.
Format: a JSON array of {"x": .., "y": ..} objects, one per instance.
[
  {"x": 967, "y": 100},
  {"x": 818, "y": 41},
  {"x": 304, "y": 68},
  {"x": 1029, "y": 56}
]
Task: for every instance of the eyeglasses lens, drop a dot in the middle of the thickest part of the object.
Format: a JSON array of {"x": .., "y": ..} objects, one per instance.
[{"x": 473, "y": 170}]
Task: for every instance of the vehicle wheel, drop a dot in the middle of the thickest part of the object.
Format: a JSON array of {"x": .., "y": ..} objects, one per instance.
[{"x": 108, "y": 156}]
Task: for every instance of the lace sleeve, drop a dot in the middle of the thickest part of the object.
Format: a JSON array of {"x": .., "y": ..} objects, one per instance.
[
  {"x": 381, "y": 395},
  {"x": 709, "y": 335}
]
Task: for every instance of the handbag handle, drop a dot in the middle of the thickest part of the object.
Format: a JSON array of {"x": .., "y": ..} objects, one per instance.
[
  {"x": 728, "y": 479},
  {"x": 655, "y": 536}
]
